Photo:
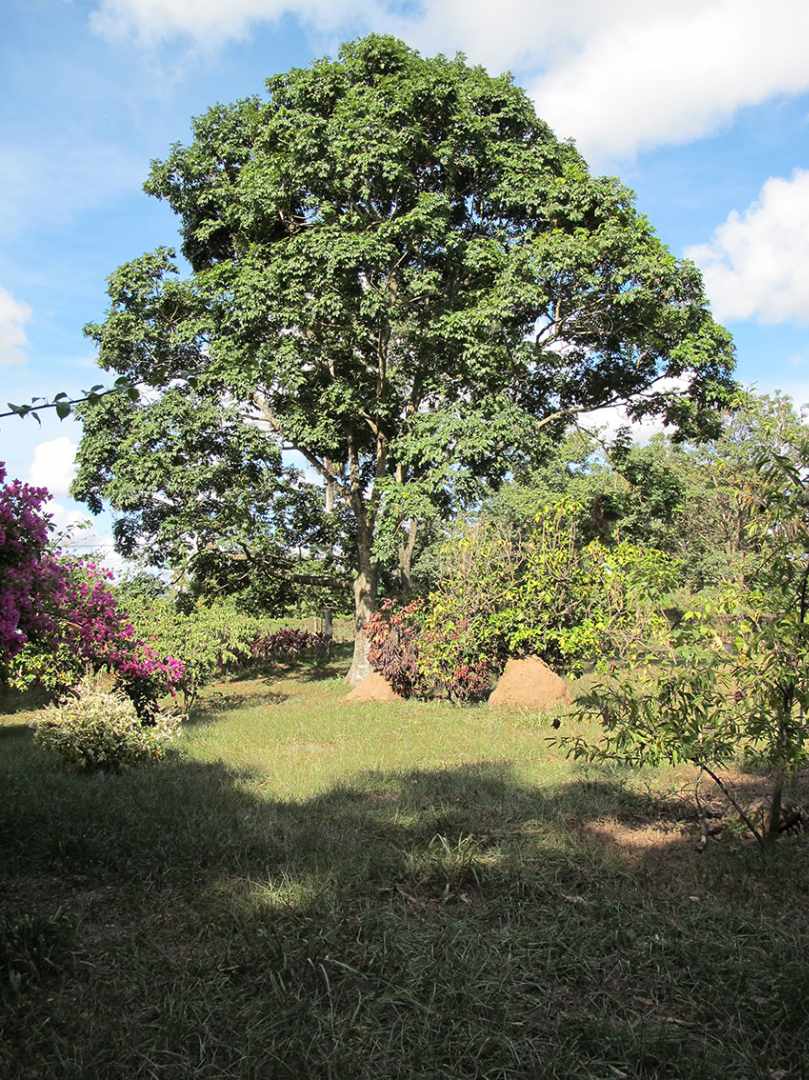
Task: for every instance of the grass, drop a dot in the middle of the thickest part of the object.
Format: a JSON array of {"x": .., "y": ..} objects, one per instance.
[{"x": 317, "y": 890}]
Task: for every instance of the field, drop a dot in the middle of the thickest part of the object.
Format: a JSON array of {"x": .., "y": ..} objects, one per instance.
[{"x": 313, "y": 890}]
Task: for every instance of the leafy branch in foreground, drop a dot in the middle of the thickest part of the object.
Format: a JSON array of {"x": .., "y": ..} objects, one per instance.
[{"x": 65, "y": 405}]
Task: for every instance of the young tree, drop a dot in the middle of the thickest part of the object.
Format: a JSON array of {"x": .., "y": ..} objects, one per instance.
[
  {"x": 733, "y": 679},
  {"x": 398, "y": 271}
]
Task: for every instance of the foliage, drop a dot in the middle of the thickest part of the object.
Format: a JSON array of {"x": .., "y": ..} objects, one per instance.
[
  {"x": 690, "y": 499},
  {"x": 542, "y": 594},
  {"x": 208, "y": 638},
  {"x": 27, "y": 573},
  {"x": 463, "y": 646},
  {"x": 734, "y": 677},
  {"x": 64, "y": 405},
  {"x": 574, "y": 605},
  {"x": 398, "y": 271},
  {"x": 98, "y": 729},
  {"x": 289, "y": 644},
  {"x": 209, "y": 495},
  {"x": 394, "y": 639},
  {"x": 418, "y": 663},
  {"x": 88, "y": 631},
  {"x": 721, "y": 478},
  {"x": 59, "y": 617},
  {"x": 211, "y": 639}
]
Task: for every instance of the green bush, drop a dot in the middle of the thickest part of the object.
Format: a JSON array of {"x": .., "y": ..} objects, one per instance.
[
  {"x": 213, "y": 639},
  {"x": 210, "y": 639},
  {"x": 99, "y": 730},
  {"x": 546, "y": 594}
]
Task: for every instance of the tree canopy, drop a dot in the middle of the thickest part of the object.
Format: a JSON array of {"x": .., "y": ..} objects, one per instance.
[{"x": 397, "y": 270}]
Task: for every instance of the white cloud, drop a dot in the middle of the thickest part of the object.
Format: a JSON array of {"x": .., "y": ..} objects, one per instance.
[
  {"x": 13, "y": 317},
  {"x": 54, "y": 465},
  {"x": 212, "y": 21},
  {"x": 678, "y": 73},
  {"x": 617, "y": 75},
  {"x": 757, "y": 263}
]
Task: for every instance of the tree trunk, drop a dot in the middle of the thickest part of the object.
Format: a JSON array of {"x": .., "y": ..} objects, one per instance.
[
  {"x": 365, "y": 581},
  {"x": 364, "y": 607},
  {"x": 329, "y": 499},
  {"x": 406, "y": 558}
]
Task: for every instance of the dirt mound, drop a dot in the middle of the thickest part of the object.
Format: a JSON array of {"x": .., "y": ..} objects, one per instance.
[
  {"x": 529, "y": 684},
  {"x": 374, "y": 687}
]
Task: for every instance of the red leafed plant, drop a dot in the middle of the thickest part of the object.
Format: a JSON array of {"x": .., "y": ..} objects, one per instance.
[
  {"x": 289, "y": 644},
  {"x": 397, "y": 651},
  {"x": 393, "y": 633}
]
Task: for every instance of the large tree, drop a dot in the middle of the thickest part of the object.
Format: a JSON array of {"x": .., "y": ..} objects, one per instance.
[{"x": 399, "y": 271}]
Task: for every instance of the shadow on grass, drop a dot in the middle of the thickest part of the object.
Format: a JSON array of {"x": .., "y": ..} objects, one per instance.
[
  {"x": 335, "y": 666},
  {"x": 305, "y": 669},
  {"x": 16, "y": 701},
  {"x": 217, "y": 701},
  {"x": 450, "y": 922},
  {"x": 7, "y": 730}
]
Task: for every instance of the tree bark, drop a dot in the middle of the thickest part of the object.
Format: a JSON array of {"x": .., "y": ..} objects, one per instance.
[
  {"x": 329, "y": 499},
  {"x": 406, "y": 558},
  {"x": 364, "y": 607},
  {"x": 366, "y": 579}
]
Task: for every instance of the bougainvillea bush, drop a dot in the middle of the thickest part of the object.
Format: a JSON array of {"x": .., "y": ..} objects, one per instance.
[
  {"x": 59, "y": 617},
  {"x": 26, "y": 573},
  {"x": 85, "y": 630}
]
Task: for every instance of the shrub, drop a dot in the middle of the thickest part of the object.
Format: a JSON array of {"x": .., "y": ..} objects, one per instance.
[
  {"x": 733, "y": 676},
  {"x": 288, "y": 644},
  {"x": 208, "y": 639},
  {"x": 27, "y": 570},
  {"x": 393, "y": 635},
  {"x": 82, "y": 628},
  {"x": 418, "y": 664},
  {"x": 499, "y": 596},
  {"x": 463, "y": 646},
  {"x": 99, "y": 729},
  {"x": 545, "y": 595}
]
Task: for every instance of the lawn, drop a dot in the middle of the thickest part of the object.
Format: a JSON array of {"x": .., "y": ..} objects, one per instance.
[{"x": 312, "y": 889}]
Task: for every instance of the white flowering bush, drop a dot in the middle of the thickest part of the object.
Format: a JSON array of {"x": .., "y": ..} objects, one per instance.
[{"x": 98, "y": 729}]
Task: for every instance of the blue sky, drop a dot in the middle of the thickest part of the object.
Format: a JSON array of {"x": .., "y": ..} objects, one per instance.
[{"x": 702, "y": 106}]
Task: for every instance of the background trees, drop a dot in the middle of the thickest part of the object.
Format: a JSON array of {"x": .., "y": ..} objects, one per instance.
[{"x": 397, "y": 270}]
